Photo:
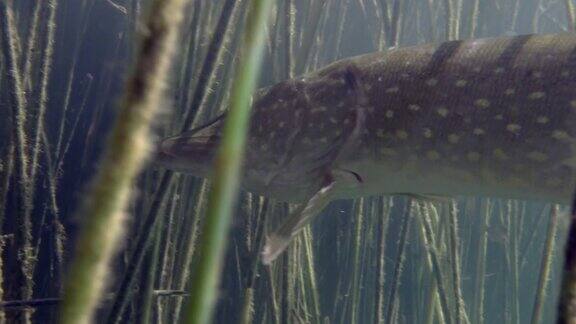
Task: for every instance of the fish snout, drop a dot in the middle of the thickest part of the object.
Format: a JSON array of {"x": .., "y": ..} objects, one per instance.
[{"x": 189, "y": 154}]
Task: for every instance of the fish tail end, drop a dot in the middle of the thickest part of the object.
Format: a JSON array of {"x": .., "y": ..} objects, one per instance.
[{"x": 274, "y": 246}]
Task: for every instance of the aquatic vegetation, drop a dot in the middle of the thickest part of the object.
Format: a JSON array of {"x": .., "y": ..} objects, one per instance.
[
  {"x": 478, "y": 261},
  {"x": 104, "y": 209},
  {"x": 227, "y": 167}
]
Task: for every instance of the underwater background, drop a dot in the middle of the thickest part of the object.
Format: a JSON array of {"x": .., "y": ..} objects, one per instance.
[{"x": 371, "y": 260}]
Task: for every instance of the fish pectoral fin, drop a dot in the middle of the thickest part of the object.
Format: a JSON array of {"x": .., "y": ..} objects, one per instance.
[{"x": 279, "y": 240}]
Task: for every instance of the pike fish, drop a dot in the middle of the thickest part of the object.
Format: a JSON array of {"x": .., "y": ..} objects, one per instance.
[{"x": 490, "y": 117}]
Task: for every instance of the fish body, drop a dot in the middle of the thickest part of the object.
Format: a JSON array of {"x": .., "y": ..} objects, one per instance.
[{"x": 493, "y": 117}]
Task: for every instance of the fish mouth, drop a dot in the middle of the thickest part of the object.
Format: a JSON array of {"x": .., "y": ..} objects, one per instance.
[{"x": 177, "y": 146}]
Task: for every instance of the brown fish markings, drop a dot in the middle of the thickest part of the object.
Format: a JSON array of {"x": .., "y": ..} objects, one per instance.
[{"x": 492, "y": 117}]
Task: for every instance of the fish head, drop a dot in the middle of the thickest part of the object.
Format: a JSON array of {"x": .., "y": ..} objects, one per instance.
[
  {"x": 299, "y": 131},
  {"x": 192, "y": 151}
]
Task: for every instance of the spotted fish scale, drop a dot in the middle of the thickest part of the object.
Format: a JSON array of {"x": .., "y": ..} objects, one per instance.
[{"x": 492, "y": 117}]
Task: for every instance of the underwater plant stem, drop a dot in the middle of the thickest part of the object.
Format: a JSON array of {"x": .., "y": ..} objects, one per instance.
[
  {"x": 31, "y": 45},
  {"x": 5, "y": 176},
  {"x": 571, "y": 13},
  {"x": 396, "y": 22},
  {"x": 400, "y": 258},
  {"x": 189, "y": 243},
  {"x": 289, "y": 32},
  {"x": 545, "y": 266},
  {"x": 201, "y": 90},
  {"x": 358, "y": 227},
  {"x": 212, "y": 61},
  {"x": 309, "y": 34},
  {"x": 150, "y": 276},
  {"x": 461, "y": 316},
  {"x": 433, "y": 254},
  {"x": 9, "y": 50},
  {"x": 450, "y": 21},
  {"x": 341, "y": 19},
  {"x": 46, "y": 71},
  {"x": 567, "y": 302},
  {"x": 479, "y": 284},
  {"x": 475, "y": 10},
  {"x": 512, "y": 251},
  {"x": 248, "y": 302},
  {"x": 104, "y": 210},
  {"x": 143, "y": 242},
  {"x": 205, "y": 278},
  {"x": 385, "y": 206}
]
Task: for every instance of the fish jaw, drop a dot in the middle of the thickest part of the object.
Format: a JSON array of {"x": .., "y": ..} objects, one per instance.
[{"x": 191, "y": 152}]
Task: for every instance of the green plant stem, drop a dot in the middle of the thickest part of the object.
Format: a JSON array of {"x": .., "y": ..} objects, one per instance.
[
  {"x": 104, "y": 210},
  {"x": 227, "y": 170},
  {"x": 153, "y": 214}
]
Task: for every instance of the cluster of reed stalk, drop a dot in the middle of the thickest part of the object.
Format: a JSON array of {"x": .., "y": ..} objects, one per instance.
[{"x": 373, "y": 260}]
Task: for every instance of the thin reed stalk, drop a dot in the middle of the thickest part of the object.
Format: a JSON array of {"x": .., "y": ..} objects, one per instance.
[
  {"x": 341, "y": 20},
  {"x": 248, "y": 302},
  {"x": 355, "y": 287},
  {"x": 461, "y": 316},
  {"x": 31, "y": 45},
  {"x": 567, "y": 302},
  {"x": 432, "y": 249},
  {"x": 545, "y": 267},
  {"x": 212, "y": 62},
  {"x": 385, "y": 206},
  {"x": 150, "y": 277},
  {"x": 5, "y": 175},
  {"x": 399, "y": 262},
  {"x": 570, "y": 14},
  {"x": 308, "y": 39},
  {"x": 23, "y": 239},
  {"x": 397, "y": 20},
  {"x": 46, "y": 71},
  {"x": 142, "y": 240},
  {"x": 289, "y": 32},
  {"x": 104, "y": 209},
  {"x": 479, "y": 282},
  {"x": 512, "y": 218},
  {"x": 227, "y": 170},
  {"x": 190, "y": 242},
  {"x": 475, "y": 12},
  {"x": 450, "y": 20},
  {"x": 311, "y": 273}
]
